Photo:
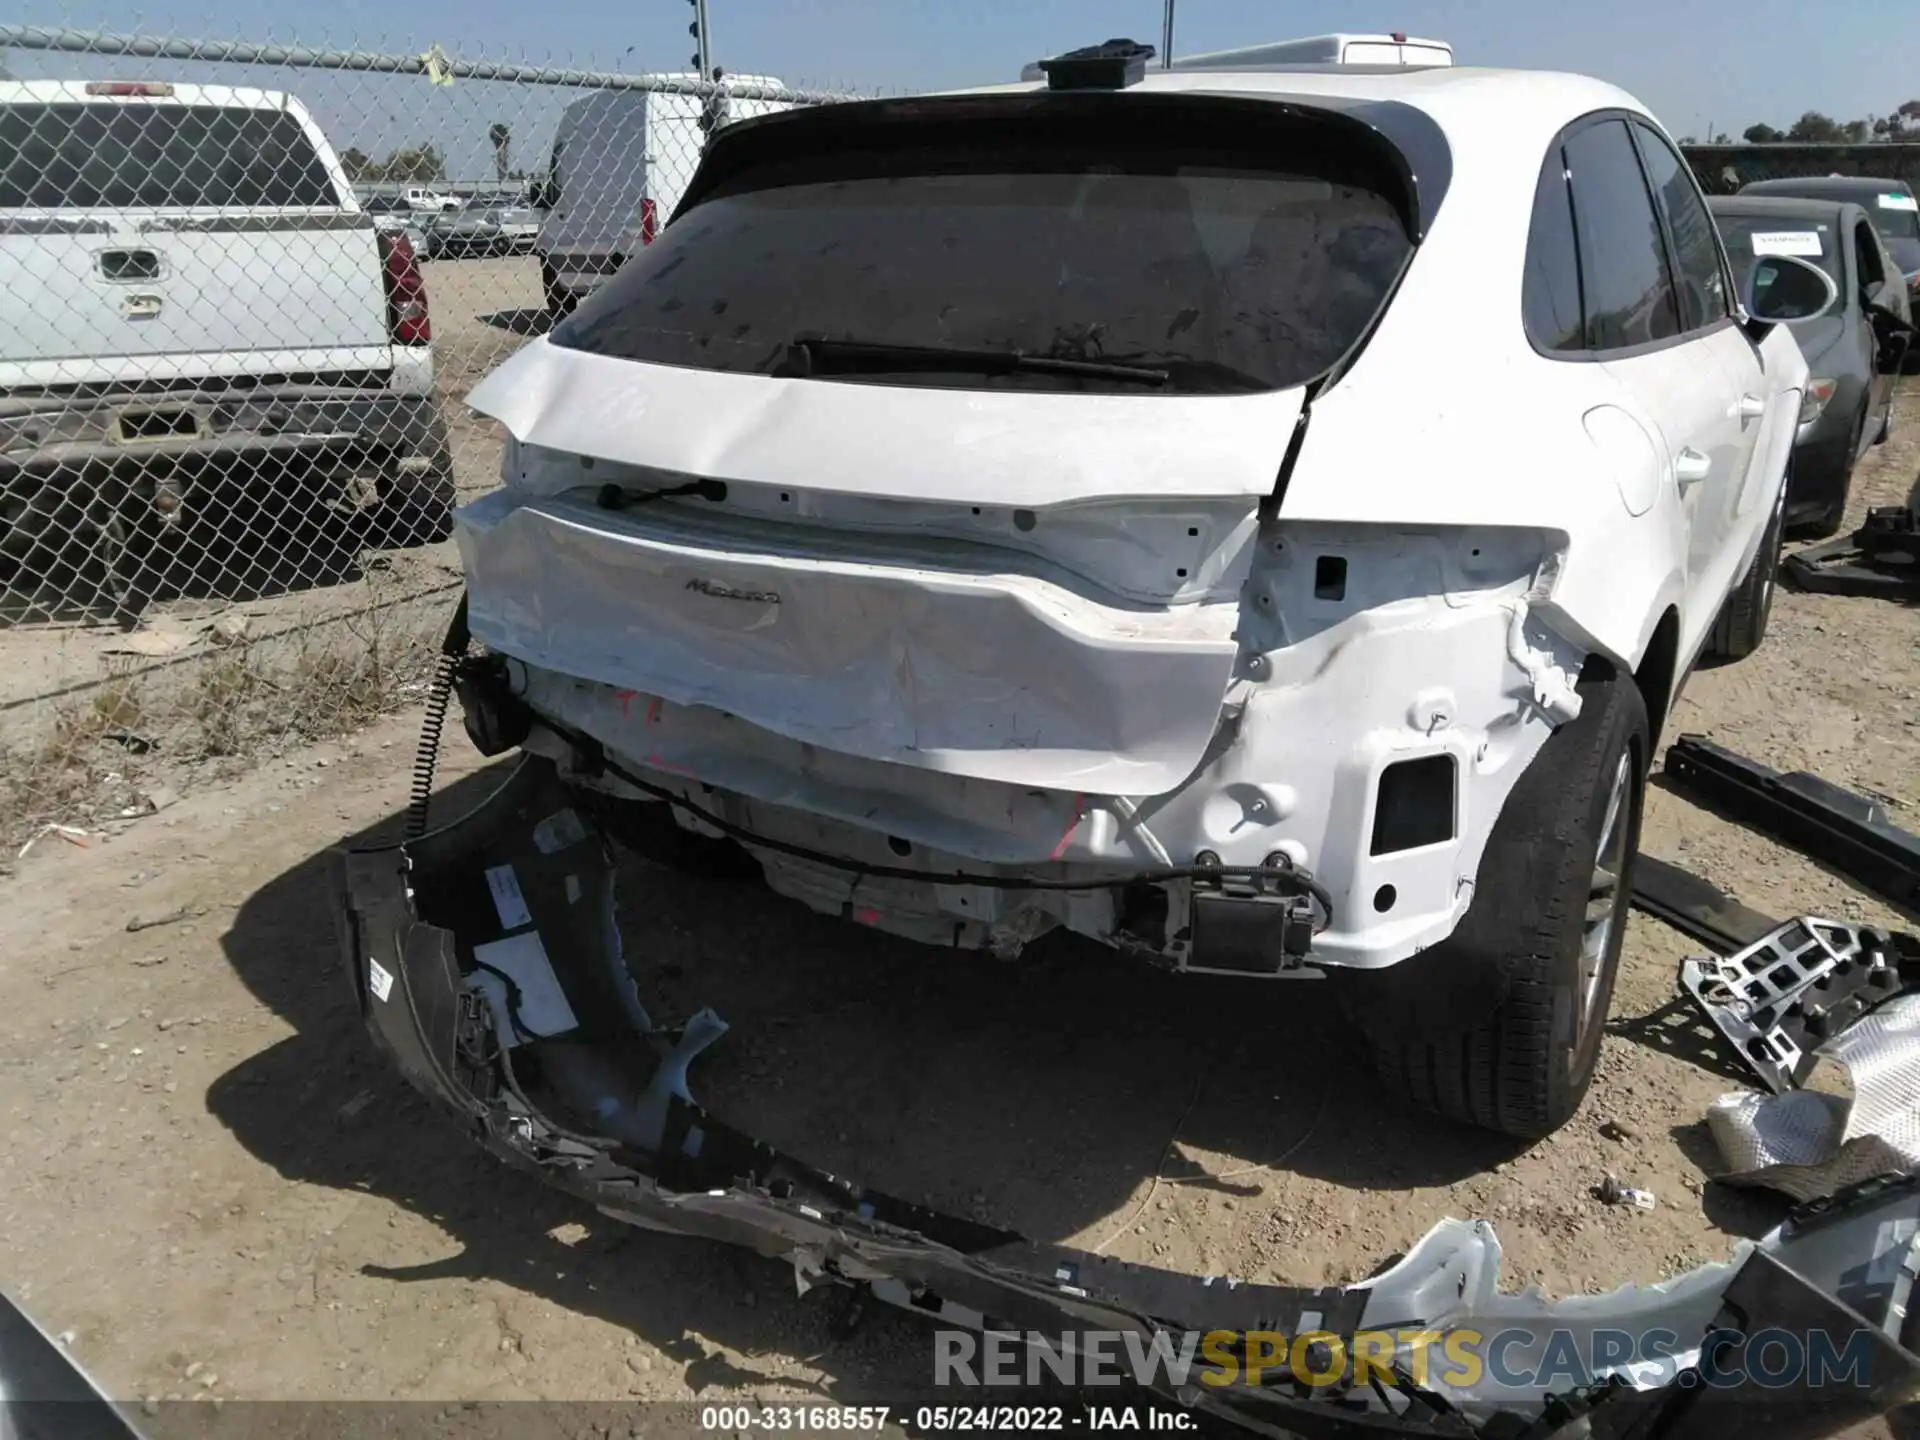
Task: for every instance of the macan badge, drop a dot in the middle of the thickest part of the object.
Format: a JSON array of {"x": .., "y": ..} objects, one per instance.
[{"x": 727, "y": 592}]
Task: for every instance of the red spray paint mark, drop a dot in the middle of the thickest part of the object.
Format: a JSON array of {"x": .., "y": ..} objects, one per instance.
[{"x": 1079, "y": 814}]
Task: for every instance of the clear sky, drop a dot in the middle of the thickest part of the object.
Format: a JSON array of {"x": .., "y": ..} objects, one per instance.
[{"x": 1696, "y": 63}]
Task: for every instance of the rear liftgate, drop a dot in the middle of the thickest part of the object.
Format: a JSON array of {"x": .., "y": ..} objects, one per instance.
[{"x": 487, "y": 962}]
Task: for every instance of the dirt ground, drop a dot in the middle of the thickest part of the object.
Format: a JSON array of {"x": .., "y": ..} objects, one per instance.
[{"x": 218, "y": 1187}]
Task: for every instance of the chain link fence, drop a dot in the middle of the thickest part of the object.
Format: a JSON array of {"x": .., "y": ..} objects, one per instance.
[{"x": 244, "y": 289}]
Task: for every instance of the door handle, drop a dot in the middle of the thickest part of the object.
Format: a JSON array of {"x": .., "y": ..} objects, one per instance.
[
  {"x": 1690, "y": 467},
  {"x": 1752, "y": 407}
]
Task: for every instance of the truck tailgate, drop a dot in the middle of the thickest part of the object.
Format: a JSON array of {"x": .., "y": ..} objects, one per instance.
[{"x": 121, "y": 297}]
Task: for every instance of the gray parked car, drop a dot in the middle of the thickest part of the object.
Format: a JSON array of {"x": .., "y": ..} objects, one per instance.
[
  {"x": 482, "y": 228},
  {"x": 1854, "y": 348},
  {"x": 1890, "y": 205}
]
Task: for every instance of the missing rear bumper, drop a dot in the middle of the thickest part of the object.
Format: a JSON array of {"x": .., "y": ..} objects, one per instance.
[{"x": 486, "y": 962}]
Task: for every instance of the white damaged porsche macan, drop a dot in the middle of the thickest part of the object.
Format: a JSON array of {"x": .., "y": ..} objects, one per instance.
[{"x": 1257, "y": 521}]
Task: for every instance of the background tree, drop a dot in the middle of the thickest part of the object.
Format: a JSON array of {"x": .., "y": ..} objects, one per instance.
[
  {"x": 1813, "y": 128},
  {"x": 419, "y": 165}
]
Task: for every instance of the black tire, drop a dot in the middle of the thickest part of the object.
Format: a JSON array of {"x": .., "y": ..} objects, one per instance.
[
  {"x": 416, "y": 507},
  {"x": 1833, "y": 515},
  {"x": 133, "y": 559},
  {"x": 417, "y": 512},
  {"x": 1742, "y": 622},
  {"x": 559, "y": 300},
  {"x": 1499, "y": 1026}
]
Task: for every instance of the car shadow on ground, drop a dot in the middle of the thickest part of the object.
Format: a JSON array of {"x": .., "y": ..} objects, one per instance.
[
  {"x": 1678, "y": 1030},
  {"x": 1037, "y": 1096},
  {"x": 520, "y": 322}
]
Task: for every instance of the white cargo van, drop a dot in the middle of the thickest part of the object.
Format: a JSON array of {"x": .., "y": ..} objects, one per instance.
[
  {"x": 196, "y": 315},
  {"x": 1396, "y": 49},
  {"x": 621, "y": 161}
]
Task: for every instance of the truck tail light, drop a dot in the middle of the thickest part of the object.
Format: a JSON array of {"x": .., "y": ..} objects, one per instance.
[
  {"x": 649, "y": 221},
  {"x": 406, "y": 291}
]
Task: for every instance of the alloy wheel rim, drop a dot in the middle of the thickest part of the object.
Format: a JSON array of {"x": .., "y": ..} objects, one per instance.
[
  {"x": 1773, "y": 565},
  {"x": 1605, "y": 895}
]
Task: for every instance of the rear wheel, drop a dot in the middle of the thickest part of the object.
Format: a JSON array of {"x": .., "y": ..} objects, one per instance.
[
  {"x": 1742, "y": 622},
  {"x": 1830, "y": 518},
  {"x": 415, "y": 506},
  {"x": 1500, "y": 1025}
]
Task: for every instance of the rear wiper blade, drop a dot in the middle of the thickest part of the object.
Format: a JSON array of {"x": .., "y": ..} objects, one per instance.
[{"x": 819, "y": 355}]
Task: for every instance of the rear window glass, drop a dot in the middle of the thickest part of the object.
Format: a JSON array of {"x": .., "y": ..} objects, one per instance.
[
  {"x": 1749, "y": 237},
  {"x": 1894, "y": 212},
  {"x": 1232, "y": 261},
  {"x": 127, "y": 157},
  {"x": 1894, "y": 216}
]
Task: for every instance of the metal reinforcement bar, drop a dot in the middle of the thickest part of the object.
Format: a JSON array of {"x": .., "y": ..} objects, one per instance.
[{"x": 236, "y": 52}]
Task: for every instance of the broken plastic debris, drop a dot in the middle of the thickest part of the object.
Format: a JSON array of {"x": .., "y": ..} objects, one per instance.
[
  {"x": 1808, "y": 1144},
  {"x": 1833, "y": 1267},
  {"x": 1612, "y": 1192},
  {"x": 72, "y": 834},
  {"x": 1777, "y": 999}
]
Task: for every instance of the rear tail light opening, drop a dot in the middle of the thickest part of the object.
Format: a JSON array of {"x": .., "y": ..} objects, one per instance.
[{"x": 406, "y": 291}]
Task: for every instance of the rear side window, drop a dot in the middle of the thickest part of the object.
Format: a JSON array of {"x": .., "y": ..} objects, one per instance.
[
  {"x": 1551, "y": 294},
  {"x": 1696, "y": 255},
  {"x": 1230, "y": 255},
  {"x": 140, "y": 156},
  {"x": 1873, "y": 273},
  {"x": 1623, "y": 259},
  {"x": 1897, "y": 218}
]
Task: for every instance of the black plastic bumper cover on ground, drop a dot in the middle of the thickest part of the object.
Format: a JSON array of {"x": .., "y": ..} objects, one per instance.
[
  {"x": 1849, "y": 832},
  {"x": 398, "y": 909}
]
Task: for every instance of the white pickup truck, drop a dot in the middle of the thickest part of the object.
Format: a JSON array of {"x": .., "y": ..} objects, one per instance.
[
  {"x": 198, "y": 322},
  {"x": 419, "y": 197}
]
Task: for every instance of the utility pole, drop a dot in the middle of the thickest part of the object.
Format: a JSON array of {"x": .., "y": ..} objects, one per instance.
[
  {"x": 1166, "y": 39},
  {"x": 698, "y": 30}
]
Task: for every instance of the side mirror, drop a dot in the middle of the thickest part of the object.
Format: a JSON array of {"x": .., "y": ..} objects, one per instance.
[{"x": 1784, "y": 288}]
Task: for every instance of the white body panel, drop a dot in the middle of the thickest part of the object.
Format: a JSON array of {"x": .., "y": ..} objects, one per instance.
[
  {"x": 616, "y": 149},
  {"x": 966, "y": 580}
]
